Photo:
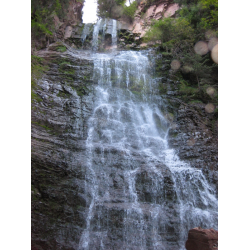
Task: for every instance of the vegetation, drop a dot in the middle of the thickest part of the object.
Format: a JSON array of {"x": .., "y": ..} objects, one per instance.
[
  {"x": 197, "y": 20},
  {"x": 42, "y": 16},
  {"x": 61, "y": 49},
  {"x": 38, "y": 67},
  {"x": 42, "y": 27},
  {"x": 116, "y": 9}
]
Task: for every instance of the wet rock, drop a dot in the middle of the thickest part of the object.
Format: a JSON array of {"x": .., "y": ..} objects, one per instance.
[
  {"x": 58, "y": 121},
  {"x": 101, "y": 187}
]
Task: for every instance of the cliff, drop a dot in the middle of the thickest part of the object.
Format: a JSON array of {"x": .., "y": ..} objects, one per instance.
[
  {"x": 63, "y": 100},
  {"x": 51, "y": 22}
]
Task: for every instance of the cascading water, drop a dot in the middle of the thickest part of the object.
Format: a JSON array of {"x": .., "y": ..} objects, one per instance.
[
  {"x": 104, "y": 26},
  {"x": 86, "y": 31},
  {"x": 114, "y": 34},
  {"x": 139, "y": 194},
  {"x": 104, "y": 30},
  {"x": 95, "y": 35}
]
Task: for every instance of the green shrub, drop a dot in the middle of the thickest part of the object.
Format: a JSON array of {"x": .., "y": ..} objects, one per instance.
[
  {"x": 61, "y": 49},
  {"x": 130, "y": 10},
  {"x": 184, "y": 89},
  {"x": 38, "y": 67}
]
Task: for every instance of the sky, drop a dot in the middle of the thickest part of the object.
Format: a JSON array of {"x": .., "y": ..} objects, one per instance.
[
  {"x": 89, "y": 11},
  {"x": 127, "y": 2}
]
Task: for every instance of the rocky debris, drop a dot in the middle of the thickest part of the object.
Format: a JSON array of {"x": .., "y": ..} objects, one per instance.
[{"x": 202, "y": 239}]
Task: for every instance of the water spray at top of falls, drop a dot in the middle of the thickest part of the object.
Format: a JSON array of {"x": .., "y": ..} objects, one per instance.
[
  {"x": 114, "y": 34},
  {"x": 102, "y": 27},
  {"x": 95, "y": 35},
  {"x": 85, "y": 31}
]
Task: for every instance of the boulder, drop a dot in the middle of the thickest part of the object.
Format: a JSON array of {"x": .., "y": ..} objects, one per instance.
[{"x": 202, "y": 239}]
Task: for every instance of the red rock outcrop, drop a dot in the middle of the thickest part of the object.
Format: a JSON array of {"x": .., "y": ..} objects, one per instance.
[{"x": 202, "y": 239}]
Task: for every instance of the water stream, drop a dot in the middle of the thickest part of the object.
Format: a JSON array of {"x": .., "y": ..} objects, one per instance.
[{"x": 140, "y": 195}]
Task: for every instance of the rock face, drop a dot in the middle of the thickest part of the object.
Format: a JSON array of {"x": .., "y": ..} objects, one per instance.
[
  {"x": 145, "y": 14},
  {"x": 98, "y": 178},
  {"x": 72, "y": 18},
  {"x": 58, "y": 129},
  {"x": 202, "y": 239},
  {"x": 193, "y": 131},
  {"x": 98, "y": 174}
]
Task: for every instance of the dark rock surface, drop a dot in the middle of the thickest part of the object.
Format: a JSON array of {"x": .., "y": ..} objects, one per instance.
[
  {"x": 193, "y": 131},
  {"x": 58, "y": 131},
  {"x": 60, "y": 197},
  {"x": 202, "y": 239}
]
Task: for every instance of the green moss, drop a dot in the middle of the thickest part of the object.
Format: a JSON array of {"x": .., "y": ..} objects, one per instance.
[
  {"x": 136, "y": 92},
  {"x": 61, "y": 48},
  {"x": 64, "y": 63},
  {"x": 174, "y": 134},
  {"x": 195, "y": 101},
  {"x": 65, "y": 68},
  {"x": 38, "y": 67},
  {"x": 186, "y": 89},
  {"x": 163, "y": 88},
  {"x": 63, "y": 94},
  {"x": 41, "y": 125}
]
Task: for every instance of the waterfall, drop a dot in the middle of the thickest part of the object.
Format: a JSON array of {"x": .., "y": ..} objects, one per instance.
[
  {"x": 104, "y": 29},
  {"x": 95, "y": 35},
  {"x": 85, "y": 31},
  {"x": 106, "y": 26},
  {"x": 114, "y": 34},
  {"x": 139, "y": 194}
]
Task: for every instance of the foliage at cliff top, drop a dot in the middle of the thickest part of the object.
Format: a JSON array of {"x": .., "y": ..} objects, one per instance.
[
  {"x": 116, "y": 9},
  {"x": 196, "y": 21},
  {"x": 42, "y": 13},
  {"x": 42, "y": 24}
]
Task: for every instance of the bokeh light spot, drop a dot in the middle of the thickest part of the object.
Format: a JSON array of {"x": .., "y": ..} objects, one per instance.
[
  {"x": 209, "y": 108},
  {"x": 191, "y": 142},
  {"x": 175, "y": 64},
  {"x": 210, "y": 91},
  {"x": 212, "y": 42},
  {"x": 209, "y": 34},
  {"x": 214, "y": 53},
  {"x": 201, "y": 48},
  {"x": 174, "y": 126}
]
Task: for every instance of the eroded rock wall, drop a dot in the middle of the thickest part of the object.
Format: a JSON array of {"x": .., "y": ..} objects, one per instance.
[
  {"x": 58, "y": 131},
  {"x": 146, "y": 13},
  {"x": 193, "y": 132},
  {"x": 61, "y": 28}
]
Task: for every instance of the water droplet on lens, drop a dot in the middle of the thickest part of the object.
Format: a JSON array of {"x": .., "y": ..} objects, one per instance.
[
  {"x": 210, "y": 91},
  {"x": 201, "y": 48},
  {"x": 212, "y": 42},
  {"x": 175, "y": 64},
  {"x": 214, "y": 53},
  {"x": 209, "y": 34},
  {"x": 209, "y": 108},
  {"x": 191, "y": 142}
]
